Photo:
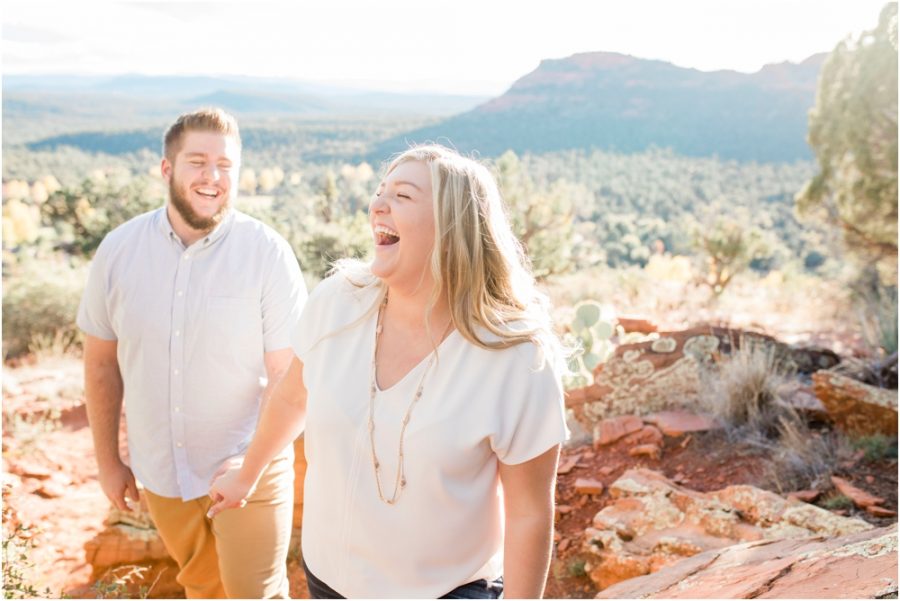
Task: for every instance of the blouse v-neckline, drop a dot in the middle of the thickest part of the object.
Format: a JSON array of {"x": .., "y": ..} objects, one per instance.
[{"x": 414, "y": 369}]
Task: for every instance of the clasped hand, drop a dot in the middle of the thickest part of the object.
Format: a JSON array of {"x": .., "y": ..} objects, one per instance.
[{"x": 229, "y": 490}]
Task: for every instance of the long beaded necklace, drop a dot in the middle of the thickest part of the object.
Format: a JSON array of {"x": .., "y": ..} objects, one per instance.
[{"x": 400, "y": 481}]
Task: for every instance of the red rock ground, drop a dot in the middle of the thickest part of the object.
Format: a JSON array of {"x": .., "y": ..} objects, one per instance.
[
  {"x": 46, "y": 440},
  {"x": 54, "y": 455},
  {"x": 705, "y": 464}
]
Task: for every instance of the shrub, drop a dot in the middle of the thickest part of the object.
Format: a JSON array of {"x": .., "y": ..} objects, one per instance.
[
  {"x": 876, "y": 446},
  {"x": 744, "y": 393},
  {"x": 878, "y": 317},
  {"x": 837, "y": 502},
  {"x": 576, "y": 568},
  {"x": 83, "y": 215},
  {"x": 40, "y": 302},
  {"x": 17, "y": 545},
  {"x": 799, "y": 457},
  {"x": 742, "y": 390}
]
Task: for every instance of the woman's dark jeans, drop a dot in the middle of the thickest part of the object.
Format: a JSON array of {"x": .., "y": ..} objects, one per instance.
[{"x": 479, "y": 589}]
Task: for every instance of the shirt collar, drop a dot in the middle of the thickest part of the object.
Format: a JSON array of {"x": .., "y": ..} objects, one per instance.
[{"x": 213, "y": 236}]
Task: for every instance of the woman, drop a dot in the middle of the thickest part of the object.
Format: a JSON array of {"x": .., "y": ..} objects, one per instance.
[{"x": 429, "y": 385}]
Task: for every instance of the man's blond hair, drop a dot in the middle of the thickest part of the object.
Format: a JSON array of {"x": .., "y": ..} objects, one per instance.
[{"x": 205, "y": 119}]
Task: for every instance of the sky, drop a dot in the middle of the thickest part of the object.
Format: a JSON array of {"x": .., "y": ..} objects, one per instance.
[{"x": 477, "y": 47}]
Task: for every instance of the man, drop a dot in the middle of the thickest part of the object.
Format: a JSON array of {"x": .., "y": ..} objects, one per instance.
[{"x": 188, "y": 310}]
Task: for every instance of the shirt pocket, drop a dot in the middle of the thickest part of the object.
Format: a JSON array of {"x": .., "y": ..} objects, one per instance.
[{"x": 234, "y": 326}]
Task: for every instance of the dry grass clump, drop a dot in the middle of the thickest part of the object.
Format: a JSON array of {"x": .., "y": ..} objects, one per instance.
[
  {"x": 800, "y": 457},
  {"x": 745, "y": 393}
]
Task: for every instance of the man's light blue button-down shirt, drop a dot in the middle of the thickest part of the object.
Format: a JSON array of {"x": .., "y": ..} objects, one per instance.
[{"x": 192, "y": 326}]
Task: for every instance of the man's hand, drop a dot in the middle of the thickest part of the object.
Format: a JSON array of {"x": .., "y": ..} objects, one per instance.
[
  {"x": 117, "y": 483},
  {"x": 229, "y": 489}
]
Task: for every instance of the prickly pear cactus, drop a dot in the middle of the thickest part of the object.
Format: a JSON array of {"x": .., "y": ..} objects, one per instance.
[{"x": 592, "y": 334}]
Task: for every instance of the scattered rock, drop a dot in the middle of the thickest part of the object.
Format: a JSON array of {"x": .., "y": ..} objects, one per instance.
[
  {"x": 804, "y": 400},
  {"x": 807, "y": 496},
  {"x": 27, "y": 469},
  {"x": 568, "y": 465},
  {"x": 640, "y": 325},
  {"x": 860, "y": 498},
  {"x": 676, "y": 423},
  {"x": 564, "y": 509},
  {"x": 860, "y": 565},
  {"x": 653, "y": 523},
  {"x": 50, "y": 490},
  {"x": 130, "y": 539},
  {"x": 588, "y": 486},
  {"x": 610, "y": 430},
  {"x": 855, "y": 407},
  {"x": 809, "y": 359},
  {"x": 563, "y": 545},
  {"x": 606, "y": 470},
  {"x": 645, "y": 450},
  {"x": 646, "y": 435},
  {"x": 578, "y": 434},
  {"x": 880, "y": 512}
]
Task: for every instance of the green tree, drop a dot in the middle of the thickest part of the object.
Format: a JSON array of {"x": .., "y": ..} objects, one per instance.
[
  {"x": 542, "y": 219},
  {"x": 83, "y": 215},
  {"x": 853, "y": 131},
  {"x": 728, "y": 247}
]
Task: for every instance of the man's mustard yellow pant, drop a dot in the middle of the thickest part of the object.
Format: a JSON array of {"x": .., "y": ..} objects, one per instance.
[{"x": 240, "y": 553}]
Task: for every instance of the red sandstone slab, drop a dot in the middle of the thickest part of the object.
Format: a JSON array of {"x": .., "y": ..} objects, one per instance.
[
  {"x": 633, "y": 323},
  {"x": 860, "y": 498},
  {"x": 676, "y": 423},
  {"x": 807, "y": 496},
  {"x": 645, "y": 450},
  {"x": 880, "y": 512},
  {"x": 646, "y": 435},
  {"x": 588, "y": 486},
  {"x": 612, "y": 429},
  {"x": 568, "y": 465},
  {"x": 861, "y": 565}
]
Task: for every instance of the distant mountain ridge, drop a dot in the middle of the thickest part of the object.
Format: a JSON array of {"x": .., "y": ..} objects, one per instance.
[
  {"x": 597, "y": 100},
  {"x": 618, "y": 102},
  {"x": 246, "y": 96}
]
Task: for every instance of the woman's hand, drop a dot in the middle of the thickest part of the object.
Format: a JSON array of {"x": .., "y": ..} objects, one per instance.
[{"x": 230, "y": 488}]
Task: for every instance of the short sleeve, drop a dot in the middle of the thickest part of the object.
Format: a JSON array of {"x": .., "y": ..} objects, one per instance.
[
  {"x": 532, "y": 416},
  {"x": 314, "y": 319},
  {"x": 284, "y": 295},
  {"x": 93, "y": 311}
]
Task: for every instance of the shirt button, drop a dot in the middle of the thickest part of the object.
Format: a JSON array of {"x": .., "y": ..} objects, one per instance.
[
  {"x": 180, "y": 293},
  {"x": 186, "y": 257},
  {"x": 177, "y": 409},
  {"x": 179, "y": 445},
  {"x": 176, "y": 372},
  {"x": 178, "y": 332}
]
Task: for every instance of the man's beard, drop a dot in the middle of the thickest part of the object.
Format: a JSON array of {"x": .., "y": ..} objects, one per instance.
[{"x": 184, "y": 208}]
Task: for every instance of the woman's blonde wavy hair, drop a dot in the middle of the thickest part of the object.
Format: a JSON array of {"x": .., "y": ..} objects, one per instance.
[{"x": 476, "y": 260}]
